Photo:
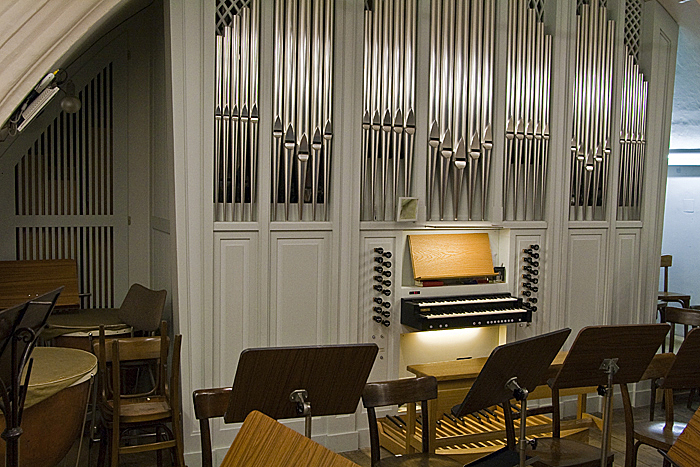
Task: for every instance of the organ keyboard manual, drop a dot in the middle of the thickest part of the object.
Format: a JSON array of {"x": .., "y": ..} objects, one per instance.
[{"x": 452, "y": 259}]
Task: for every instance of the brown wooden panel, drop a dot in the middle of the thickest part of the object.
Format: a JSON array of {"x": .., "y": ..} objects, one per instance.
[
  {"x": 685, "y": 452},
  {"x": 333, "y": 376},
  {"x": 633, "y": 345},
  {"x": 23, "y": 280},
  {"x": 450, "y": 256}
]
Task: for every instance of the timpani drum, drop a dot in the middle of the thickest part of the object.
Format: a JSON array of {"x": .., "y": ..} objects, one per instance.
[
  {"x": 54, "y": 409},
  {"x": 79, "y": 328}
]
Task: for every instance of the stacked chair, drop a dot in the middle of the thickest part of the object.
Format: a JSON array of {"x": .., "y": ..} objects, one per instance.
[{"x": 124, "y": 417}]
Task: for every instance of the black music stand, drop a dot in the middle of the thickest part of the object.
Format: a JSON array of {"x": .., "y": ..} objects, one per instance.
[
  {"x": 511, "y": 371},
  {"x": 20, "y": 327},
  {"x": 290, "y": 382},
  {"x": 603, "y": 356}
]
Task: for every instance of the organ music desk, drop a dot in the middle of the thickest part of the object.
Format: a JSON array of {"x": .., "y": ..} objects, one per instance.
[{"x": 471, "y": 440}]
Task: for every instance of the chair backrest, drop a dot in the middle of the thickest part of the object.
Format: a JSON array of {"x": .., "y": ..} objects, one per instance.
[
  {"x": 666, "y": 262},
  {"x": 209, "y": 403},
  {"x": 684, "y": 372},
  {"x": 402, "y": 391},
  {"x": 110, "y": 352},
  {"x": 142, "y": 308},
  {"x": 685, "y": 452},
  {"x": 140, "y": 348},
  {"x": 685, "y": 316}
]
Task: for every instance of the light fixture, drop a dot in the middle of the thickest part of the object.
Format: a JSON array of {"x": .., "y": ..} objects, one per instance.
[{"x": 70, "y": 104}]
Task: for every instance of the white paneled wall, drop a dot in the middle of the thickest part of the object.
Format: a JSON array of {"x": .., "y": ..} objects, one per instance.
[{"x": 300, "y": 308}]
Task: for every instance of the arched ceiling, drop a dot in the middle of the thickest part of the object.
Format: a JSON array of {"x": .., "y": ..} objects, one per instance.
[{"x": 38, "y": 36}]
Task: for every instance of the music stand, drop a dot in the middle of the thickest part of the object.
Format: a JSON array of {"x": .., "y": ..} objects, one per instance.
[
  {"x": 290, "y": 382},
  {"x": 606, "y": 355},
  {"x": 511, "y": 371},
  {"x": 21, "y": 326}
]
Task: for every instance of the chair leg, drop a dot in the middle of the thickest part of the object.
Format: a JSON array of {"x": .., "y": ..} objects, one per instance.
[
  {"x": 159, "y": 452},
  {"x": 629, "y": 456},
  {"x": 179, "y": 445},
  {"x": 103, "y": 448},
  {"x": 635, "y": 452},
  {"x": 690, "y": 396},
  {"x": 114, "y": 448}
]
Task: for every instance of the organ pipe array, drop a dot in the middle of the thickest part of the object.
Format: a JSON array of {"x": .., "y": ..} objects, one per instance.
[
  {"x": 529, "y": 64},
  {"x": 302, "y": 101},
  {"x": 460, "y": 108},
  {"x": 389, "y": 120},
  {"x": 236, "y": 116},
  {"x": 592, "y": 99},
  {"x": 632, "y": 138}
]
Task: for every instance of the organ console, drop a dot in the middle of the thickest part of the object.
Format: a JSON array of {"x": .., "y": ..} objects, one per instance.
[
  {"x": 464, "y": 259},
  {"x": 427, "y": 314}
]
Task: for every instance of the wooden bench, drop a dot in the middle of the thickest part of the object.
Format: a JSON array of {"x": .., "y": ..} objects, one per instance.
[{"x": 23, "y": 280}]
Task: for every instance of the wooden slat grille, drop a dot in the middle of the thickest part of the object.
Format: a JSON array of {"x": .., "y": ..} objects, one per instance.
[{"x": 68, "y": 172}]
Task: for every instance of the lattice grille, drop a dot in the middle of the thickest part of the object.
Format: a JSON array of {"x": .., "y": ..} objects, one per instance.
[
  {"x": 68, "y": 171},
  {"x": 603, "y": 3},
  {"x": 633, "y": 27},
  {"x": 538, "y": 6},
  {"x": 226, "y": 10}
]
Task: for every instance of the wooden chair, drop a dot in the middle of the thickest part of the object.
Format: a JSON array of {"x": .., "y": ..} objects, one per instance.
[
  {"x": 152, "y": 409},
  {"x": 632, "y": 347},
  {"x": 682, "y": 372},
  {"x": 142, "y": 308},
  {"x": 685, "y": 452},
  {"x": 684, "y": 299},
  {"x": 688, "y": 317},
  {"x": 264, "y": 442},
  {"x": 209, "y": 403},
  {"x": 399, "y": 392}
]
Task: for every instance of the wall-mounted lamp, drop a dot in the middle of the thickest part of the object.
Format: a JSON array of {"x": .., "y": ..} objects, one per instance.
[{"x": 70, "y": 103}]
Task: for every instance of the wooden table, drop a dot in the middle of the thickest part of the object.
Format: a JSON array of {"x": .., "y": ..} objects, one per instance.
[
  {"x": 455, "y": 377},
  {"x": 683, "y": 299},
  {"x": 78, "y": 328}
]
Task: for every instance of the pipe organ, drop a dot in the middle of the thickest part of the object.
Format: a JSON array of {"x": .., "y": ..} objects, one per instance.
[
  {"x": 528, "y": 121},
  {"x": 313, "y": 138}
]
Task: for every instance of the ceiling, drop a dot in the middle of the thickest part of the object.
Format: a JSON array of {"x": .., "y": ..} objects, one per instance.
[{"x": 685, "y": 121}]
